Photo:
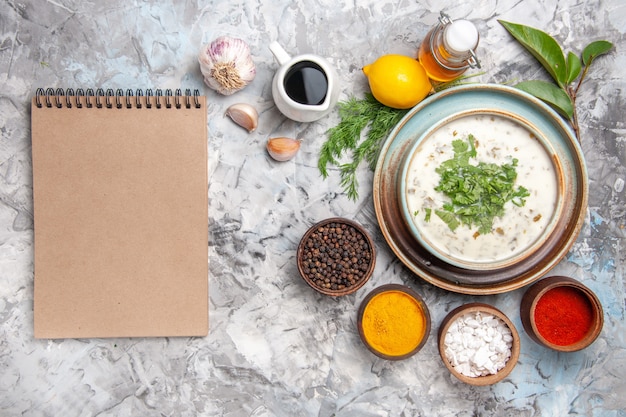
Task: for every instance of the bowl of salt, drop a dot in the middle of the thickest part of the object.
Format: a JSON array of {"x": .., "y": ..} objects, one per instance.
[{"x": 478, "y": 344}]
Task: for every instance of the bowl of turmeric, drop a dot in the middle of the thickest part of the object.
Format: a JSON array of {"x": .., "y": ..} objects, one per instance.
[
  {"x": 562, "y": 314},
  {"x": 393, "y": 322}
]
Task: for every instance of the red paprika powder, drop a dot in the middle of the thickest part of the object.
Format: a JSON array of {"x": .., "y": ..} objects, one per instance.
[{"x": 563, "y": 315}]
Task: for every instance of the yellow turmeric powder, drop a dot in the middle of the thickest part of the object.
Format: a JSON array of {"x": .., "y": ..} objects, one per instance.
[{"x": 393, "y": 323}]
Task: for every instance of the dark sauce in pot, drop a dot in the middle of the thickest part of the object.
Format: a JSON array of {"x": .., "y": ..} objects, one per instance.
[{"x": 306, "y": 83}]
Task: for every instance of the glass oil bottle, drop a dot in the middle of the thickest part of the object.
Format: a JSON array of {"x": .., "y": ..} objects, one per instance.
[{"x": 449, "y": 49}]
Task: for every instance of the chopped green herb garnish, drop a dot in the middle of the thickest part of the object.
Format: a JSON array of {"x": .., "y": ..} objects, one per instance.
[
  {"x": 448, "y": 218},
  {"x": 479, "y": 192},
  {"x": 428, "y": 213}
]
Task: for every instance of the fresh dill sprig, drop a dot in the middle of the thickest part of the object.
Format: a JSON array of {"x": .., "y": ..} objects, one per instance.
[
  {"x": 460, "y": 80},
  {"x": 356, "y": 116}
]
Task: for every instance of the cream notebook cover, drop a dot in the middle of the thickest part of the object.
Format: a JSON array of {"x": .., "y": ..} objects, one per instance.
[{"x": 120, "y": 214}]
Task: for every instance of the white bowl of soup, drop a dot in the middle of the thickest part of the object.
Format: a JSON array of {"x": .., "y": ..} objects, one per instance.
[{"x": 481, "y": 190}]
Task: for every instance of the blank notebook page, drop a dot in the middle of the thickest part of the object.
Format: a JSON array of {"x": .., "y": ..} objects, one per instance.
[{"x": 120, "y": 218}]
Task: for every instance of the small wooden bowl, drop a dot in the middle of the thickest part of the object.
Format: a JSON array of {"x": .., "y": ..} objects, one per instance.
[
  {"x": 539, "y": 289},
  {"x": 416, "y": 301},
  {"x": 329, "y": 271},
  {"x": 486, "y": 308}
]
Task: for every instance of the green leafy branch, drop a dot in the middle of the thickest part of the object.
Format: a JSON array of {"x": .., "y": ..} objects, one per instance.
[{"x": 568, "y": 72}]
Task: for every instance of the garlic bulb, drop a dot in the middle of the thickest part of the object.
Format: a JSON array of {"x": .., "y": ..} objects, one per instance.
[
  {"x": 244, "y": 115},
  {"x": 283, "y": 149},
  {"x": 227, "y": 65}
]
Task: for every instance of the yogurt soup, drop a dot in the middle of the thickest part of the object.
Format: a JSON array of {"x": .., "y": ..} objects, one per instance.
[{"x": 498, "y": 140}]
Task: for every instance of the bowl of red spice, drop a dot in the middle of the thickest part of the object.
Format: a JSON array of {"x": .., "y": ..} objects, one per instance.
[
  {"x": 562, "y": 314},
  {"x": 336, "y": 256},
  {"x": 393, "y": 322}
]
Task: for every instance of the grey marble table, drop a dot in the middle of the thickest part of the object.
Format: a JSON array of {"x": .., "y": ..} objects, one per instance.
[{"x": 277, "y": 348}]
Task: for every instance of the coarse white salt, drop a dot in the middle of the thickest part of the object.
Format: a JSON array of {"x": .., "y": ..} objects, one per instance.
[{"x": 478, "y": 344}]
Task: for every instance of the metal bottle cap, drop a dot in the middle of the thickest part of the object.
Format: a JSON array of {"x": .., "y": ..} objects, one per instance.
[{"x": 461, "y": 36}]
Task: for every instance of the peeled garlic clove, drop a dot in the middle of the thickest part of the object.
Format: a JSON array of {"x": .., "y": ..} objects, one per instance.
[
  {"x": 283, "y": 149},
  {"x": 244, "y": 115}
]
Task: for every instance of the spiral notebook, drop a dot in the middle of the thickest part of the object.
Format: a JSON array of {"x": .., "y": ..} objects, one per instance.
[{"x": 120, "y": 213}]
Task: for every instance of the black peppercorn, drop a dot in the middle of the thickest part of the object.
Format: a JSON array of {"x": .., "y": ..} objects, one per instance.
[{"x": 335, "y": 256}]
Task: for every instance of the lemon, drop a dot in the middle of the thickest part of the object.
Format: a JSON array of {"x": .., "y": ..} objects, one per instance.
[{"x": 397, "y": 81}]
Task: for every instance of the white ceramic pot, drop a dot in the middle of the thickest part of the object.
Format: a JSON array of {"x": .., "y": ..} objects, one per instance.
[{"x": 286, "y": 99}]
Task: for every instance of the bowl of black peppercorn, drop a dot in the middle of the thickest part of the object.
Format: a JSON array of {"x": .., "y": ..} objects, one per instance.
[{"x": 336, "y": 256}]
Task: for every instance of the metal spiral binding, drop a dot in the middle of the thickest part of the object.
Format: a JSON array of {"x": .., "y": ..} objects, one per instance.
[{"x": 116, "y": 99}]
